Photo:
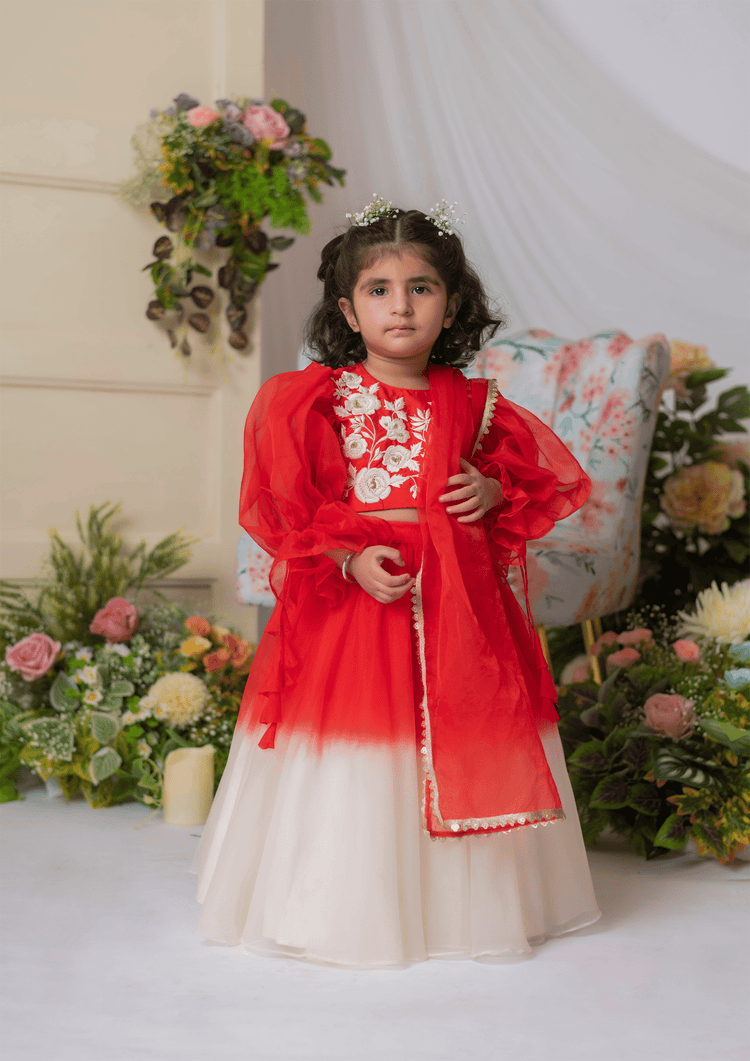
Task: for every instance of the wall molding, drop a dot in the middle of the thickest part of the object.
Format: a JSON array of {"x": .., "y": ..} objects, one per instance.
[
  {"x": 74, "y": 184},
  {"x": 185, "y": 390}
]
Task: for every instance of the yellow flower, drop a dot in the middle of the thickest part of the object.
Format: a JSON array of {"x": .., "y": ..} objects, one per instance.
[
  {"x": 705, "y": 496},
  {"x": 721, "y": 614},
  {"x": 685, "y": 358},
  {"x": 195, "y": 646},
  {"x": 218, "y": 633},
  {"x": 179, "y": 697}
]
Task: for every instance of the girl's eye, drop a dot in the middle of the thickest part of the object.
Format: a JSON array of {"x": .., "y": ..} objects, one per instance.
[
  {"x": 419, "y": 288},
  {"x": 378, "y": 291}
]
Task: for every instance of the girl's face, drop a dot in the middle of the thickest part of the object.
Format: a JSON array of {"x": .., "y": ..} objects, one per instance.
[{"x": 399, "y": 305}]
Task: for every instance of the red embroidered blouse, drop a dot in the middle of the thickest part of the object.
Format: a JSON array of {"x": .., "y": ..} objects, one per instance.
[{"x": 384, "y": 435}]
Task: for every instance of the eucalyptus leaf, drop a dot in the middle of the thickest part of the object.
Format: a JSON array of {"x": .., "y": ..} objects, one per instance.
[
  {"x": 55, "y": 737},
  {"x": 103, "y": 764},
  {"x": 122, "y": 687}
]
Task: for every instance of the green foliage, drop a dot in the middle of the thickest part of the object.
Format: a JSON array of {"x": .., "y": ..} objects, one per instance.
[
  {"x": 676, "y": 564},
  {"x": 220, "y": 187},
  {"x": 78, "y": 583},
  {"x": 656, "y": 791}
]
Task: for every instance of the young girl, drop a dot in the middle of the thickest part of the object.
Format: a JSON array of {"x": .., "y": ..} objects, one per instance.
[{"x": 397, "y": 750}]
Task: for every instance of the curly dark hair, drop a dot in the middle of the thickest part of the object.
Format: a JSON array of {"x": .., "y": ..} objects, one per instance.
[{"x": 329, "y": 336}]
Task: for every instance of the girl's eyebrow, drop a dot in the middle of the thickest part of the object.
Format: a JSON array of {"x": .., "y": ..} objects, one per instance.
[{"x": 371, "y": 281}]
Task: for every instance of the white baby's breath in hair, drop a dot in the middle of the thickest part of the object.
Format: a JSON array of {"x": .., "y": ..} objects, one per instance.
[
  {"x": 443, "y": 216},
  {"x": 378, "y": 208}
]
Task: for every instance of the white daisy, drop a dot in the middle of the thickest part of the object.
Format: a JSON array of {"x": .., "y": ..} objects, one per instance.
[
  {"x": 89, "y": 675},
  {"x": 92, "y": 697},
  {"x": 119, "y": 648},
  {"x": 85, "y": 653},
  {"x": 144, "y": 748}
]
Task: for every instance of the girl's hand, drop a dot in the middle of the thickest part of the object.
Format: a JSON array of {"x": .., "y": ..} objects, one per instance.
[
  {"x": 476, "y": 494},
  {"x": 366, "y": 568}
]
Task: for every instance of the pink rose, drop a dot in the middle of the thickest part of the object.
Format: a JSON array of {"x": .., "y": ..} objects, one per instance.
[
  {"x": 670, "y": 715},
  {"x": 117, "y": 620},
  {"x": 634, "y": 637},
  {"x": 626, "y": 657},
  {"x": 266, "y": 124},
  {"x": 687, "y": 651},
  {"x": 216, "y": 660},
  {"x": 200, "y": 117},
  {"x": 609, "y": 637},
  {"x": 32, "y": 656}
]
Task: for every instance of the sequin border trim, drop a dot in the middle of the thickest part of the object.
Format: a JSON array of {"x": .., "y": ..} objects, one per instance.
[
  {"x": 508, "y": 823},
  {"x": 493, "y": 393}
]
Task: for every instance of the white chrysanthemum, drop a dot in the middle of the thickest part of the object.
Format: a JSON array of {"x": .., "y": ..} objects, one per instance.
[
  {"x": 354, "y": 446},
  {"x": 721, "y": 614},
  {"x": 372, "y": 484},
  {"x": 180, "y": 698},
  {"x": 89, "y": 675},
  {"x": 92, "y": 697}
]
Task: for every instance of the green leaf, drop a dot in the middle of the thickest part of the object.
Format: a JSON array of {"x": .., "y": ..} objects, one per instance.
[
  {"x": 8, "y": 792},
  {"x": 674, "y": 832},
  {"x": 134, "y": 732},
  {"x": 606, "y": 687},
  {"x": 731, "y": 736},
  {"x": 104, "y": 728},
  {"x": 703, "y": 376},
  {"x": 103, "y": 764},
  {"x": 121, "y": 687},
  {"x": 678, "y": 766},
  {"x": 737, "y": 550},
  {"x": 735, "y": 402},
  {"x": 62, "y": 694},
  {"x": 322, "y": 148},
  {"x": 612, "y": 793}
]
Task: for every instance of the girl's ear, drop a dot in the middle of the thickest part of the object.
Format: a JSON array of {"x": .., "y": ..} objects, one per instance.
[
  {"x": 348, "y": 310},
  {"x": 450, "y": 311}
]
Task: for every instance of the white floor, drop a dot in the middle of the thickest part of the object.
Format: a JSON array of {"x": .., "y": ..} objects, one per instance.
[{"x": 100, "y": 964}]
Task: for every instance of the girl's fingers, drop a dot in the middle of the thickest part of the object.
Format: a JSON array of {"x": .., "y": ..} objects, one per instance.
[
  {"x": 467, "y": 506},
  {"x": 459, "y": 495},
  {"x": 458, "y": 480},
  {"x": 472, "y": 518}
]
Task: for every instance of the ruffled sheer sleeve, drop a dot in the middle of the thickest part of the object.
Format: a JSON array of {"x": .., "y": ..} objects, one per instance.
[
  {"x": 294, "y": 477},
  {"x": 542, "y": 481}
]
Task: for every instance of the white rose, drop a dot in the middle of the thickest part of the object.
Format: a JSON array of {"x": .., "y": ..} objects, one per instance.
[
  {"x": 394, "y": 428},
  {"x": 372, "y": 484},
  {"x": 350, "y": 379},
  {"x": 395, "y": 458},
  {"x": 362, "y": 404},
  {"x": 354, "y": 446}
]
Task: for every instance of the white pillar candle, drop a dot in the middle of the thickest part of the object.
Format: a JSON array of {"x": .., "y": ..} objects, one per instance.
[{"x": 188, "y": 785}]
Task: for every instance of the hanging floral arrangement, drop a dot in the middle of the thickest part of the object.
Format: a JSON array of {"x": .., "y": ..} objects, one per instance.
[{"x": 211, "y": 177}]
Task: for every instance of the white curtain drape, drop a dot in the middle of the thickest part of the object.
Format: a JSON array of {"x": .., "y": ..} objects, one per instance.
[{"x": 583, "y": 211}]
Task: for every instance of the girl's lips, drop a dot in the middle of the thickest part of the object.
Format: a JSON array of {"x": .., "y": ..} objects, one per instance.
[{"x": 401, "y": 328}]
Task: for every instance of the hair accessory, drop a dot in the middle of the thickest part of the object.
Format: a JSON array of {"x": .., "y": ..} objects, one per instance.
[
  {"x": 443, "y": 216},
  {"x": 378, "y": 208}
]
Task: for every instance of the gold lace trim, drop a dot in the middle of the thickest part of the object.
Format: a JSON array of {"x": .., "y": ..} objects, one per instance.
[
  {"x": 523, "y": 820},
  {"x": 493, "y": 393}
]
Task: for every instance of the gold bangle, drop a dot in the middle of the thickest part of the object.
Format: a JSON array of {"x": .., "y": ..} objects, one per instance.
[{"x": 353, "y": 581}]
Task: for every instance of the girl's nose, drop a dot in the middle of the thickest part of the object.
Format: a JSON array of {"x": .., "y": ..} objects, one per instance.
[{"x": 401, "y": 305}]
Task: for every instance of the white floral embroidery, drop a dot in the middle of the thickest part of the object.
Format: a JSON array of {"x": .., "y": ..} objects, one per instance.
[
  {"x": 354, "y": 446},
  {"x": 361, "y": 437},
  {"x": 372, "y": 484}
]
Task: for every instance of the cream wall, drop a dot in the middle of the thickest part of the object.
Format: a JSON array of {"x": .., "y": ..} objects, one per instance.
[{"x": 94, "y": 405}]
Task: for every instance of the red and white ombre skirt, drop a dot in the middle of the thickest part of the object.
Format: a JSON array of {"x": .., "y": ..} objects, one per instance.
[{"x": 316, "y": 847}]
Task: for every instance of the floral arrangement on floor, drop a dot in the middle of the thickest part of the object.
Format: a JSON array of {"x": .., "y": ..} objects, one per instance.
[
  {"x": 95, "y": 691},
  {"x": 694, "y": 525},
  {"x": 660, "y": 752},
  {"x": 222, "y": 171}
]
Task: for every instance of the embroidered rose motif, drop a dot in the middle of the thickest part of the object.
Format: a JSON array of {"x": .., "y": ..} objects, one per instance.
[
  {"x": 372, "y": 485},
  {"x": 354, "y": 446},
  {"x": 394, "y": 428},
  {"x": 350, "y": 379},
  {"x": 397, "y": 457},
  {"x": 362, "y": 404}
]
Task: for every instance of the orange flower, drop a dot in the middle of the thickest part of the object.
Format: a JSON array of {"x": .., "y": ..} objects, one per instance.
[
  {"x": 199, "y": 626},
  {"x": 216, "y": 660},
  {"x": 241, "y": 653},
  {"x": 685, "y": 358}
]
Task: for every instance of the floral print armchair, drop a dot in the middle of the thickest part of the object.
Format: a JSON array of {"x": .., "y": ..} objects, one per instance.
[{"x": 600, "y": 396}]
